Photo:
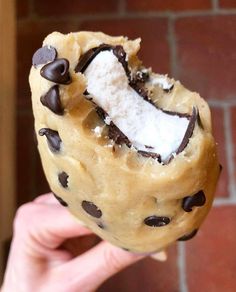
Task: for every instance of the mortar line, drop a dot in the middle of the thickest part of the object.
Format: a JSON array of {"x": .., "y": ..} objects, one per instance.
[
  {"x": 182, "y": 267},
  {"x": 221, "y": 103},
  {"x": 229, "y": 151},
  {"x": 172, "y": 48},
  {"x": 224, "y": 202},
  {"x": 215, "y": 5},
  {"x": 122, "y": 7},
  {"x": 32, "y": 14},
  {"x": 132, "y": 15}
]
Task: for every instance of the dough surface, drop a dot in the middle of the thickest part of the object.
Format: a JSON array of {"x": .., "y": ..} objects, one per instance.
[{"x": 134, "y": 201}]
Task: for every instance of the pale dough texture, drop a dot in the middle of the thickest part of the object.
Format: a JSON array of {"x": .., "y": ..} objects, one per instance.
[{"x": 125, "y": 186}]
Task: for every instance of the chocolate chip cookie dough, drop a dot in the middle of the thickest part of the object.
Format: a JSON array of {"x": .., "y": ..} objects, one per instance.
[{"x": 129, "y": 152}]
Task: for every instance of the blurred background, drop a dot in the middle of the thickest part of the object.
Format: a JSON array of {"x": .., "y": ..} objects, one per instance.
[{"x": 193, "y": 41}]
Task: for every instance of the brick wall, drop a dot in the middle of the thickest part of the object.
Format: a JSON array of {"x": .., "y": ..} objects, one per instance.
[{"x": 193, "y": 41}]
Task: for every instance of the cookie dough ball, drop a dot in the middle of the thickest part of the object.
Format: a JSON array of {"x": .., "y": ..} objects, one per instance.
[{"x": 129, "y": 152}]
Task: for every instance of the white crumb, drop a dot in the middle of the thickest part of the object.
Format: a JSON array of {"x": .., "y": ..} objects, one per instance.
[
  {"x": 98, "y": 131},
  {"x": 162, "y": 81}
]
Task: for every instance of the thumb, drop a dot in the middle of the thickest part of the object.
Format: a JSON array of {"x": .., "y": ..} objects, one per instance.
[{"x": 88, "y": 271}]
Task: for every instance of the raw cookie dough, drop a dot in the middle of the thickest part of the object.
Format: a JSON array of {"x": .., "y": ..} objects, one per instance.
[{"x": 129, "y": 152}]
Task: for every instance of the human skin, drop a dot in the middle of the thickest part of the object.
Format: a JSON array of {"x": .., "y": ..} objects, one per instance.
[{"x": 38, "y": 262}]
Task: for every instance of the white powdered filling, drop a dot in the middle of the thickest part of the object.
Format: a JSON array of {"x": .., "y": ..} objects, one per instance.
[
  {"x": 162, "y": 81},
  {"x": 140, "y": 121}
]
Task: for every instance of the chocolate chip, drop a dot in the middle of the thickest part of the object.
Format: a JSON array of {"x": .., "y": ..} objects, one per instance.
[
  {"x": 57, "y": 71},
  {"x": 150, "y": 154},
  {"x": 189, "y": 131},
  {"x": 53, "y": 139},
  {"x": 91, "y": 209},
  {"x": 189, "y": 235},
  {"x": 52, "y": 100},
  {"x": 117, "y": 136},
  {"x": 62, "y": 202},
  {"x": 63, "y": 179},
  {"x": 100, "y": 225},
  {"x": 156, "y": 221},
  {"x": 86, "y": 92},
  {"x": 197, "y": 200},
  {"x": 44, "y": 55}
]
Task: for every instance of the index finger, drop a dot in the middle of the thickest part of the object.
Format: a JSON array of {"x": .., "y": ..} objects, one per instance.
[{"x": 48, "y": 224}]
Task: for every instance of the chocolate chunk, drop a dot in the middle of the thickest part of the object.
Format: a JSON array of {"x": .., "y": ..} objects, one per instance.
[
  {"x": 57, "y": 71},
  {"x": 63, "y": 179},
  {"x": 150, "y": 154},
  {"x": 188, "y": 236},
  {"x": 91, "y": 209},
  {"x": 117, "y": 136},
  {"x": 62, "y": 202},
  {"x": 86, "y": 92},
  {"x": 197, "y": 200},
  {"x": 53, "y": 138},
  {"x": 52, "y": 100},
  {"x": 44, "y": 55},
  {"x": 100, "y": 225},
  {"x": 189, "y": 131},
  {"x": 156, "y": 221}
]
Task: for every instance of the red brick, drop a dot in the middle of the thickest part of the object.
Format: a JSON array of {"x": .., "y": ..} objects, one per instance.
[
  {"x": 147, "y": 275},
  {"x": 22, "y": 8},
  {"x": 154, "y": 47},
  {"x": 233, "y": 127},
  {"x": 160, "y": 5},
  {"x": 73, "y": 7},
  {"x": 227, "y": 3},
  {"x": 206, "y": 57},
  {"x": 24, "y": 157},
  {"x": 211, "y": 254},
  {"x": 219, "y": 134},
  {"x": 30, "y": 35}
]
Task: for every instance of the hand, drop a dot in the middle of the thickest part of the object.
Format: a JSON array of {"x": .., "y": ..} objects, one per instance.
[{"x": 38, "y": 262}]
